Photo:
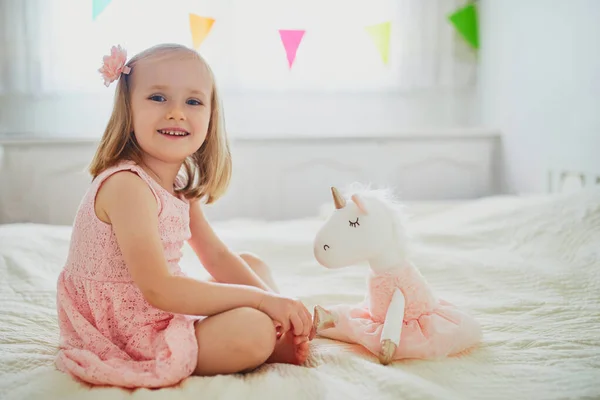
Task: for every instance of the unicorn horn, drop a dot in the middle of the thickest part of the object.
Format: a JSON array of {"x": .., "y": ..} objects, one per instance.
[{"x": 339, "y": 201}]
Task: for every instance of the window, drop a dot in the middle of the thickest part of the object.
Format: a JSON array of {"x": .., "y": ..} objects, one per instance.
[
  {"x": 52, "y": 49},
  {"x": 336, "y": 53}
]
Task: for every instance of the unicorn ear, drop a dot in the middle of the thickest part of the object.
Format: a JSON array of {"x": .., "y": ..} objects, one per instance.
[{"x": 360, "y": 203}]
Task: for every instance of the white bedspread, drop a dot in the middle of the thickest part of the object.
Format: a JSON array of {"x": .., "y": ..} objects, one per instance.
[{"x": 529, "y": 269}]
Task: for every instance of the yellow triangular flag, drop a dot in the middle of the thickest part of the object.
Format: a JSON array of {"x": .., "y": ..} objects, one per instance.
[
  {"x": 380, "y": 34},
  {"x": 200, "y": 27}
]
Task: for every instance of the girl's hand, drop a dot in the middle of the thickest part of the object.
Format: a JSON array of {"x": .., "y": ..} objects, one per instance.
[{"x": 290, "y": 313}]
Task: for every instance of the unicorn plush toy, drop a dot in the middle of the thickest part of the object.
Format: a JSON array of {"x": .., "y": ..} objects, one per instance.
[{"x": 400, "y": 316}]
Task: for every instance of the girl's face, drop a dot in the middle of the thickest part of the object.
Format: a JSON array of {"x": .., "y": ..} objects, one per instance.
[{"x": 170, "y": 100}]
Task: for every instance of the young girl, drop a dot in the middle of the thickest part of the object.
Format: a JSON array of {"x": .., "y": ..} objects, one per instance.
[{"x": 128, "y": 315}]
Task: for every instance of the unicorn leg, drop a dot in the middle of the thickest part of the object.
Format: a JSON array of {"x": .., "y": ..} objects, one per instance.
[
  {"x": 352, "y": 324},
  {"x": 323, "y": 319},
  {"x": 392, "y": 328}
]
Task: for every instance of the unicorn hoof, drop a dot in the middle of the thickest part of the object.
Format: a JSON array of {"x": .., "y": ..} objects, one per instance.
[
  {"x": 323, "y": 319},
  {"x": 388, "y": 348}
]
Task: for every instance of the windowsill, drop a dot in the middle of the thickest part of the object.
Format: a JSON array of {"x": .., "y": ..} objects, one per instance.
[
  {"x": 263, "y": 116},
  {"x": 448, "y": 134}
]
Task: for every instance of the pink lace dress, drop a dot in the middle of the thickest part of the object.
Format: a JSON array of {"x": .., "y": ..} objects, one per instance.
[{"x": 109, "y": 334}]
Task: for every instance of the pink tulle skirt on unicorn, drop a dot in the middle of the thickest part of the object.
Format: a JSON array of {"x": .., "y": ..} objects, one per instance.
[{"x": 400, "y": 317}]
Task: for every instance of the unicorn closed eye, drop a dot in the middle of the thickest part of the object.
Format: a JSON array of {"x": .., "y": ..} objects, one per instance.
[{"x": 400, "y": 316}]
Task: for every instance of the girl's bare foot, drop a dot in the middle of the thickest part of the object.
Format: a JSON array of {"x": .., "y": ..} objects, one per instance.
[{"x": 290, "y": 349}]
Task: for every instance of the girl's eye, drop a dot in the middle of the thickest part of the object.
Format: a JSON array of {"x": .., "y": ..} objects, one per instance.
[
  {"x": 157, "y": 97},
  {"x": 194, "y": 102},
  {"x": 354, "y": 224}
]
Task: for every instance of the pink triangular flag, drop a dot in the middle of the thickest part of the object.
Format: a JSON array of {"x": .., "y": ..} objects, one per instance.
[{"x": 291, "y": 40}]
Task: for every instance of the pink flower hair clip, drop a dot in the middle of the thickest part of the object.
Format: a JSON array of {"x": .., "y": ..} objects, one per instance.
[{"x": 114, "y": 65}]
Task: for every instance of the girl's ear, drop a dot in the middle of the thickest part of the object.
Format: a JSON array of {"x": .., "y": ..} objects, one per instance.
[{"x": 360, "y": 203}]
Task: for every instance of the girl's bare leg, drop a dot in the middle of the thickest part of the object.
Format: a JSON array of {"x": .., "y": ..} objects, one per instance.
[
  {"x": 261, "y": 269},
  {"x": 288, "y": 349},
  {"x": 234, "y": 341}
]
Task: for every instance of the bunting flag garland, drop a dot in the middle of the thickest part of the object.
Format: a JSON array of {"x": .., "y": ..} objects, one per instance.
[
  {"x": 200, "y": 28},
  {"x": 380, "y": 34},
  {"x": 465, "y": 21},
  {"x": 98, "y": 6},
  {"x": 291, "y": 40}
]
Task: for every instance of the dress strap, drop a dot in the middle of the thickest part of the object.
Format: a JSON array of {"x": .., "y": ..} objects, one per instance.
[{"x": 127, "y": 166}]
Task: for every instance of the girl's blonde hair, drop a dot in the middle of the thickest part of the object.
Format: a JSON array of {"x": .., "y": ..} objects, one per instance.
[{"x": 207, "y": 172}]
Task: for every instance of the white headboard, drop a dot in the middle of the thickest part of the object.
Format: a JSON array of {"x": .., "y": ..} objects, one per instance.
[{"x": 274, "y": 178}]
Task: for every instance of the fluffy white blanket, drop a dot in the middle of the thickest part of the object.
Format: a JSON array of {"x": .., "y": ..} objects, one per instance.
[{"x": 528, "y": 268}]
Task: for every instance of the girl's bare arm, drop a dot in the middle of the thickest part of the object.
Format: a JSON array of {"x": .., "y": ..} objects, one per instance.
[{"x": 130, "y": 207}]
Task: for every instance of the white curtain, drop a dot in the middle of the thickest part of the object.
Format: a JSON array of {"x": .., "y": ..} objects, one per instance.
[
  {"x": 21, "y": 41},
  {"x": 51, "y": 47}
]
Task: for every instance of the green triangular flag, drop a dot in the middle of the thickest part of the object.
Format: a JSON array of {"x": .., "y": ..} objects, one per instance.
[
  {"x": 465, "y": 22},
  {"x": 98, "y": 6},
  {"x": 380, "y": 34}
]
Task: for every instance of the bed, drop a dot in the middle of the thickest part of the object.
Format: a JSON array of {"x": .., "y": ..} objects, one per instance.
[{"x": 527, "y": 267}]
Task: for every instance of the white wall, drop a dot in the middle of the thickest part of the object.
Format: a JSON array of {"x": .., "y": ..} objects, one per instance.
[{"x": 540, "y": 85}]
